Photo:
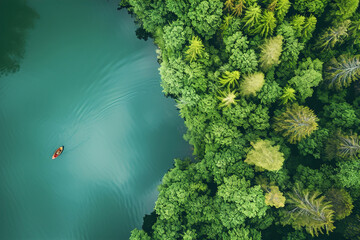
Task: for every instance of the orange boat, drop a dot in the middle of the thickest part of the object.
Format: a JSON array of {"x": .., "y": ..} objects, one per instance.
[{"x": 58, "y": 152}]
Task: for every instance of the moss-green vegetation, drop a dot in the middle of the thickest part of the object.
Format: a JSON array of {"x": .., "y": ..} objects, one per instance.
[{"x": 269, "y": 94}]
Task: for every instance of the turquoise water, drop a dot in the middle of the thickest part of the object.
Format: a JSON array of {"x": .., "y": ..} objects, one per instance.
[{"x": 85, "y": 82}]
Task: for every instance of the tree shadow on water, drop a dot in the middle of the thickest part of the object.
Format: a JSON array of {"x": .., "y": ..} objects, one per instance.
[{"x": 16, "y": 17}]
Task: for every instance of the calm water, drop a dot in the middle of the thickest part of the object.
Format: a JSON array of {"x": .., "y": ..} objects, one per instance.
[{"x": 85, "y": 82}]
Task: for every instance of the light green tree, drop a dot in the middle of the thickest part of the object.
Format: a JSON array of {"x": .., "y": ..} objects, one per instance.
[
  {"x": 266, "y": 24},
  {"x": 270, "y": 52},
  {"x": 296, "y": 123},
  {"x": 230, "y": 79},
  {"x": 252, "y": 84},
  {"x": 274, "y": 197},
  {"x": 227, "y": 98},
  {"x": 251, "y": 17},
  {"x": 288, "y": 95},
  {"x": 265, "y": 155},
  {"x": 195, "y": 49}
]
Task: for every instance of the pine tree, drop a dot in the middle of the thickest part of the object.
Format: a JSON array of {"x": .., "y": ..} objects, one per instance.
[
  {"x": 230, "y": 79},
  {"x": 308, "y": 210},
  {"x": 296, "y": 123},
  {"x": 252, "y": 16},
  {"x": 334, "y": 35},
  {"x": 266, "y": 24},
  {"x": 195, "y": 49},
  {"x": 288, "y": 95},
  {"x": 270, "y": 52},
  {"x": 342, "y": 71},
  {"x": 238, "y": 8},
  {"x": 227, "y": 98}
]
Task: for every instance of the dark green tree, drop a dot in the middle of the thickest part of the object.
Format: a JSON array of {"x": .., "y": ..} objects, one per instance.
[
  {"x": 341, "y": 202},
  {"x": 266, "y": 24}
]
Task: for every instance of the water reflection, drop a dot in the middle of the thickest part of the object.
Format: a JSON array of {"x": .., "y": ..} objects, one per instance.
[{"x": 16, "y": 17}]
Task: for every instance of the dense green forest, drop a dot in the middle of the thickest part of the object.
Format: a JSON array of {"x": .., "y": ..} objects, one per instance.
[{"x": 269, "y": 94}]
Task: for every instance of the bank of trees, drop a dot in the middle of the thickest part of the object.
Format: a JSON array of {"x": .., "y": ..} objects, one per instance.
[{"x": 270, "y": 96}]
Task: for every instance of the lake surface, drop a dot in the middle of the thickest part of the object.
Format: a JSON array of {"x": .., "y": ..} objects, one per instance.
[{"x": 85, "y": 82}]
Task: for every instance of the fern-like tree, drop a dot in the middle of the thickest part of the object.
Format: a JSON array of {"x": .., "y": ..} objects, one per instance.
[
  {"x": 334, "y": 35},
  {"x": 341, "y": 202},
  {"x": 265, "y": 155},
  {"x": 341, "y": 72},
  {"x": 251, "y": 17},
  {"x": 288, "y": 95},
  {"x": 308, "y": 210},
  {"x": 195, "y": 49},
  {"x": 296, "y": 123},
  {"x": 227, "y": 98},
  {"x": 226, "y": 23},
  {"x": 238, "y": 7},
  {"x": 281, "y": 7},
  {"x": 343, "y": 146},
  {"x": 230, "y": 79},
  {"x": 252, "y": 84},
  {"x": 309, "y": 27},
  {"x": 266, "y": 24},
  {"x": 229, "y": 4},
  {"x": 298, "y": 23},
  {"x": 270, "y": 52}
]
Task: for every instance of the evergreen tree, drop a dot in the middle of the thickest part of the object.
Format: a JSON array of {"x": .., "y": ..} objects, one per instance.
[
  {"x": 334, "y": 35},
  {"x": 227, "y": 98},
  {"x": 266, "y": 24},
  {"x": 342, "y": 71},
  {"x": 230, "y": 79},
  {"x": 195, "y": 49},
  {"x": 296, "y": 123},
  {"x": 288, "y": 95},
  {"x": 251, "y": 17},
  {"x": 308, "y": 210}
]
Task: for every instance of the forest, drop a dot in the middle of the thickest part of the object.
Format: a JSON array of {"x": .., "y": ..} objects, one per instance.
[{"x": 269, "y": 94}]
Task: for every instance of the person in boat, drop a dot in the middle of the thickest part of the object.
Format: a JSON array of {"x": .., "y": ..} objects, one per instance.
[{"x": 58, "y": 151}]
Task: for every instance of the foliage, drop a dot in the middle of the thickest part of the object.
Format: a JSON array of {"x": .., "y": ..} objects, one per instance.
[
  {"x": 342, "y": 9},
  {"x": 296, "y": 123},
  {"x": 240, "y": 56},
  {"x": 307, "y": 209},
  {"x": 265, "y": 156},
  {"x": 137, "y": 234},
  {"x": 342, "y": 115},
  {"x": 348, "y": 173},
  {"x": 342, "y": 71},
  {"x": 314, "y": 145},
  {"x": 312, "y": 6},
  {"x": 308, "y": 76},
  {"x": 269, "y": 93},
  {"x": 341, "y": 202},
  {"x": 252, "y": 84},
  {"x": 270, "y": 52},
  {"x": 205, "y": 16}
]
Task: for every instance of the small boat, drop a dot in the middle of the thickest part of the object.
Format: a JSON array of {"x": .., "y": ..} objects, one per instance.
[{"x": 58, "y": 152}]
